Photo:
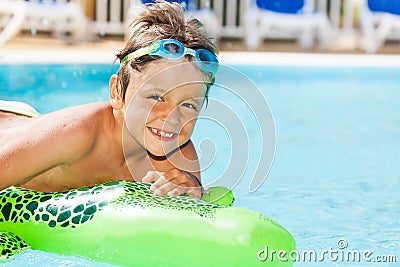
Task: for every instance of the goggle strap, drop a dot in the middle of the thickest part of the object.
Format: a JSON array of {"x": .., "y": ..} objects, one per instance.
[
  {"x": 189, "y": 51},
  {"x": 136, "y": 54}
]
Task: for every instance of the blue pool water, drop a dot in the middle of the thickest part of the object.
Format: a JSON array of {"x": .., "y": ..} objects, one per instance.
[{"x": 336, "y": 175}]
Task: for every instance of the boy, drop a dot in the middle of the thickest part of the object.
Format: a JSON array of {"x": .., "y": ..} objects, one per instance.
[{"x": 143, "y": 134}]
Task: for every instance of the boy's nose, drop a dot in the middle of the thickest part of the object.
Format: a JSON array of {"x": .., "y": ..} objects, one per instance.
[{"x": 172, "y": 116}]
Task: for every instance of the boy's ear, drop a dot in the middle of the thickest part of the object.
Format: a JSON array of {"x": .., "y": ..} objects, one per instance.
[{"x": 115, "y": 93}]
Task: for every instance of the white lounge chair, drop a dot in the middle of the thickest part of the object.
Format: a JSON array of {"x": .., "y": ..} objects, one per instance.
[
  {"x": 205, "y": 15},
  {"x": 65, "y": 19},
  {"x": 285, "y": 19},
  {"x": 379, "y": 19},
  {"x": 11, "y": 19}
]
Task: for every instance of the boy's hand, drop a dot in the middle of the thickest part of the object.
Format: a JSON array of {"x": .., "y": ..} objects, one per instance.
[{"x": 173, "y": 182}]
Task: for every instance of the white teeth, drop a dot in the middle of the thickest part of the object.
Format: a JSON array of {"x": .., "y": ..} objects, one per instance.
[
  {"x": 166, "y": 134},
  {"x": 163, "y": 134}
]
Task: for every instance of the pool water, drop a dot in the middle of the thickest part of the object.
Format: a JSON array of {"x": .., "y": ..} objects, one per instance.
[{"x": 335, "y": 180}]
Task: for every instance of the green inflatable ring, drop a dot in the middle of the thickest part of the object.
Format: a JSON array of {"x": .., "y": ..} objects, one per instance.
[{"x": 124, "y": 223}]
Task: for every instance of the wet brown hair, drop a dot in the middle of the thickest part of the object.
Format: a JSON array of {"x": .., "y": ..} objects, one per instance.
[{"x": 162, "y": 20}]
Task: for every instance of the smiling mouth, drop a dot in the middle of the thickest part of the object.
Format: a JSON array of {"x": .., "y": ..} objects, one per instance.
[{"x": 163, "y": 135}]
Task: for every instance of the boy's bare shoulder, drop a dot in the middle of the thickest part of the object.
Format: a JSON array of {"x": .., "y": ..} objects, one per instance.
[
  {"x": 88, "y": 114},
  {"x": 91, "y": 109},
  {"x": 97, "y": 115},
  {"x": 78, "y": 123}
]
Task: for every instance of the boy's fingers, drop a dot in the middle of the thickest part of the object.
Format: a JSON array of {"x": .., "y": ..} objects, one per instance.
[
  {"x": 177, "y": 191},
  {"x": 172, "y": 174},
  {"x": 179, "y": 178},
  {"x": 164, "y": 189},
  {"x": 173, "y": 182},
  {"x": 158, "y": 183},
  {"x": 151, "y": 176},
  {"x": 195, "y": 192}
]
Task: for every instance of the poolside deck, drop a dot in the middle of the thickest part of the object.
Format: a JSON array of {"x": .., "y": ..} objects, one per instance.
[{"x": 344, "y": 45}]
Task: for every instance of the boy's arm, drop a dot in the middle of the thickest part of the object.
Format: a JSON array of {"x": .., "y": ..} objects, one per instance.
[{"x": 42, "y": 143}]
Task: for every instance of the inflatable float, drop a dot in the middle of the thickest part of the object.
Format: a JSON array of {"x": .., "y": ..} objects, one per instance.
[{"x": 124, "y": 223}]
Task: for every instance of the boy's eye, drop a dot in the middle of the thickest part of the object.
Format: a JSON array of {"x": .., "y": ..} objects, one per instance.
[
  {"x": 156, "y": 97},
  {"x": 191, "y": 106}
]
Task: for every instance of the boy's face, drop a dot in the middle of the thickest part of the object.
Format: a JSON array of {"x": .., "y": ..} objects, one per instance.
[{"x": 162, "y": 104}]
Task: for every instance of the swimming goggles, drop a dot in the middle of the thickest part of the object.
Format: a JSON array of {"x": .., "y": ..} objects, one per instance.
[{"x": 173, "y": 49}]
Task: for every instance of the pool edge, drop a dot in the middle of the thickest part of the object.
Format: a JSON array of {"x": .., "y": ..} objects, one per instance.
[{"x": 229, "y": 58}]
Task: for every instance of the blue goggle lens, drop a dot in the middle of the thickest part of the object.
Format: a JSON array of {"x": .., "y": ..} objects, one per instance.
[
  {"x": 207, "y": 61},
  {"x": 173, "y": 48},
  {"x": 206, "y": 56}
]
